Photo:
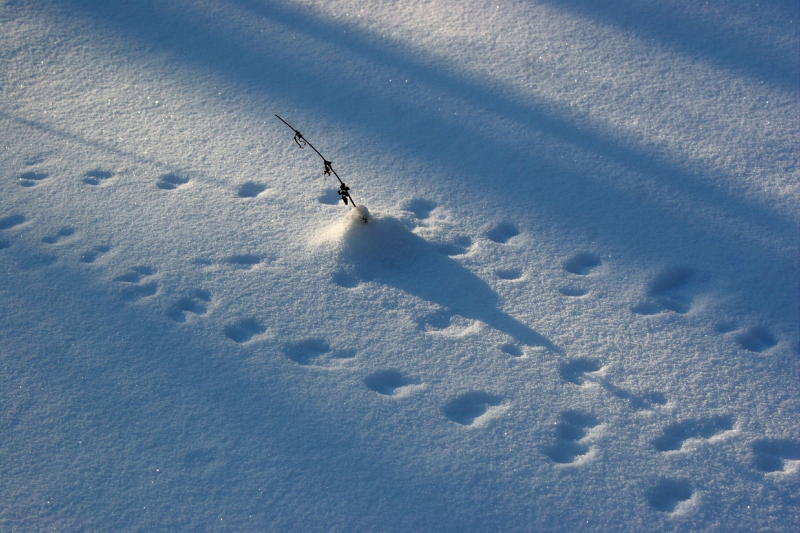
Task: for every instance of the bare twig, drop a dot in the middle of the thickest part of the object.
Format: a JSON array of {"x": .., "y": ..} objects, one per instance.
[{"x": 302, "y": 142}]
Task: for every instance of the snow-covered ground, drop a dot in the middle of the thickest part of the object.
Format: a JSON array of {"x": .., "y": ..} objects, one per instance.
[{"x": 576, "y": 306}]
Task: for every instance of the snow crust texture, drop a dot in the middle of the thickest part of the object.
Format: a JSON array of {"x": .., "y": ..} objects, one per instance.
[{"x": 568, "y": 299}]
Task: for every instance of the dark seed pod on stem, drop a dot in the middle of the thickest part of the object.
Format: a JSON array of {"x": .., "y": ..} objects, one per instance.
[{"x": 302, "y": 142}]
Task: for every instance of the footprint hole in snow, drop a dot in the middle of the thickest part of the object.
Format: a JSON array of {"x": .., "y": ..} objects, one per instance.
[
  {"x": 756, "y": 339},
  {"x": 11, "y": 221},
  {"x": 667, "y": 494},
  {"x": 671, "y": 280},
  {"x": 509, "y": 274},
  {"x": 468, "y": 407},
  {"x": 244, "y": 329},
  {"x": 573, "y": 371},
  {"x": 511, "y": 349},
  {"x": 387, "y": 382},
  {"x": 137, "y": 292},
  {"x": 91, "y": 255},
  {"x": 135, "y": 274},
  {"x": 201, "y": 294},
  {"x": 676, "y": 434},
  {"x": 771, "y": 454},
  {"x": 30, "y": 179},
  {"x": 171, "y": 181},
  {"x": 566, "y": 451},
  {"x": 582, "y": 264},
  {"x": 305, "y": 351},
  {"x": 420, "y": 207},
  {"x": 503, "y": 232},
  {"x": 250, "y": 189},
  {"x": 186, "y": 305},
  {"x": 95, "y": 177},
  {"x": 61, "y": 234},
  {"x": 573, "y": 292}
]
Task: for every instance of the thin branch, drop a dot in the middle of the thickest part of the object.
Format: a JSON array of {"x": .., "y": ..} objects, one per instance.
[{"x": 302, "y": 142}]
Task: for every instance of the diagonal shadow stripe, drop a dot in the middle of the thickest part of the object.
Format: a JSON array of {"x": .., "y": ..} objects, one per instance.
[
  {"x": 708, "y": 37},
  {"x": 482, "y": 154}
]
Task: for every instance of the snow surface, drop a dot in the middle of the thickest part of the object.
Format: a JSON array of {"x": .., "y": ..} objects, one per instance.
[{"x": 575, "y": 308}]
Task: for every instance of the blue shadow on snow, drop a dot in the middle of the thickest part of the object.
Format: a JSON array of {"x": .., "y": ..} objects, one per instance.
[{"x": 386, "y": 252}]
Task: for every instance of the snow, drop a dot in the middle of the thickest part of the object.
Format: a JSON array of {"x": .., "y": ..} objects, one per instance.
[{"x": 575, "y": 305}]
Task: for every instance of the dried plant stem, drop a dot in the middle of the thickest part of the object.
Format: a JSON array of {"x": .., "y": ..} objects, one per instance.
[{"x": 302, "y": 142}]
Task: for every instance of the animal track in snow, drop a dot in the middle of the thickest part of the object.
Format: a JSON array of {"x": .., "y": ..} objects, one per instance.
[
  {"x": 582, "y": 264},
  {"x": 675, "y": 435},
  {"x": 667, "y": 494},
  {"x": 58, "y": 236},
  {"x": 573, "y": 292},
  {"x": 137, "y": 286},
  {"x": 638, "y": 402},
  {"x": 194, "y": 303},
  {"x": 771, "y": 454},
  {"x": 509, "y": 274},
  {"x": 171, "y": 181},
  {"x": 91, "y": 255},
  {"x": 244, "y": 261},
  {"x": 459, "y": 246},
  {"x": 569, "y": 433},
  {"x": 243, "y": 330},
  {"x": 251, "y": 189},
  {"x": 756, "y": 339},
  {"x": 668, "y": 292},
  {"x": 512, "y": 349},
  {"x": 574, "y": 370},
  {"x": 315, "y": 351},
  {"x": 390, "y": 382},
  {"x": 95, "y": 177},
  {"x": 30, "y": 179},
  {"x": 469, "y": 408},
  {"x": 503, "y": 232},
  {"x": 420, "y": 207},
  {"x": 11, "y": 221}
]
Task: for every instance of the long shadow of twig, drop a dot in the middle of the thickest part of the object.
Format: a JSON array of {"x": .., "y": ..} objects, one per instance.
[
  {"x": 638, "y": 401},
  {"x": 578, "y": 370},
  {"x": 386, "y": 252}
]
